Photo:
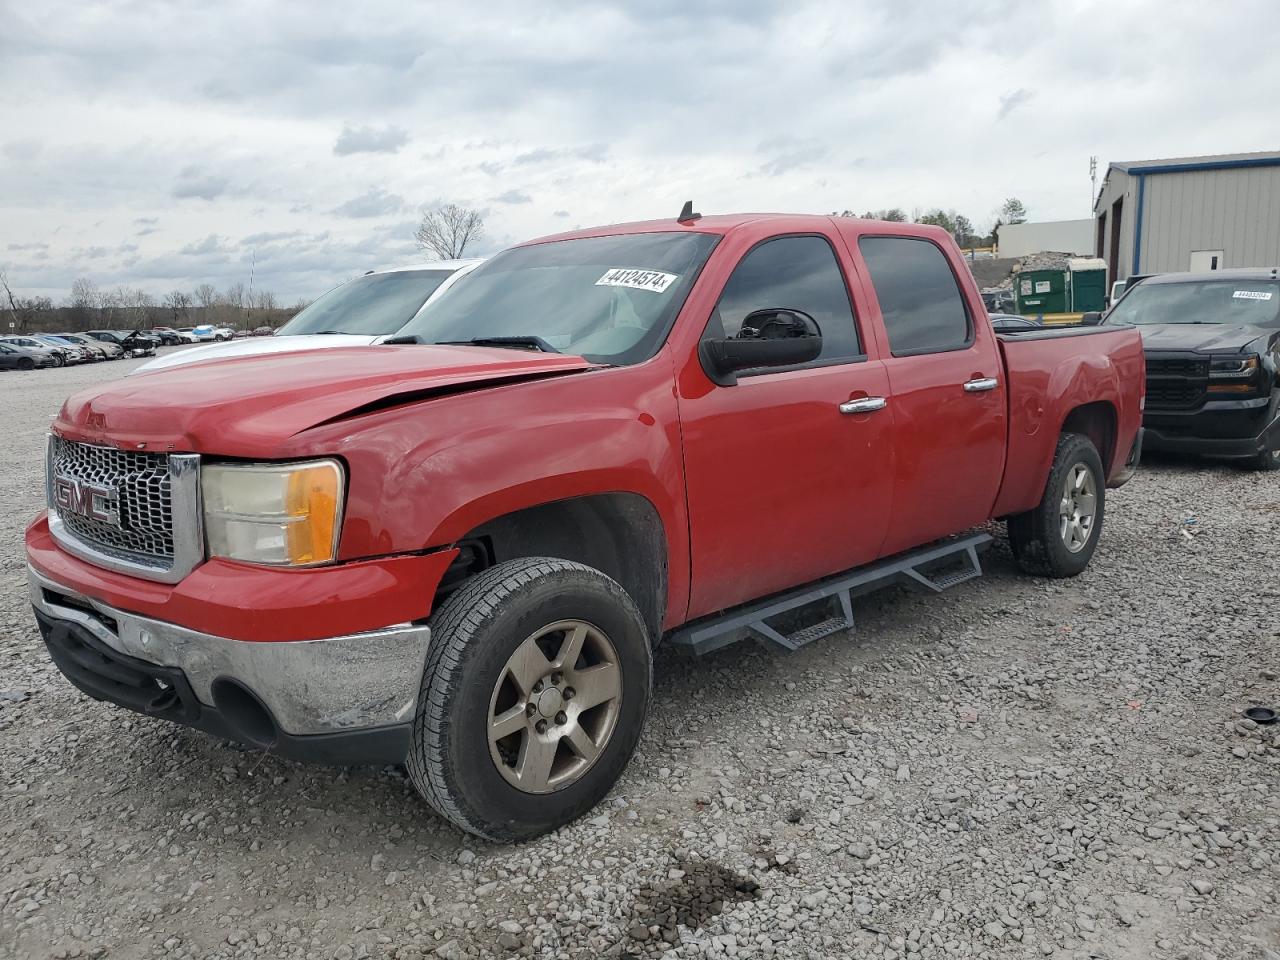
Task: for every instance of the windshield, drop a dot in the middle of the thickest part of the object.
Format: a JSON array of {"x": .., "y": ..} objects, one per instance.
[
  {"x": 609, "y": 299},
  {"x": 372, "y": 305},
  {"x": 1251, "y": 302}
]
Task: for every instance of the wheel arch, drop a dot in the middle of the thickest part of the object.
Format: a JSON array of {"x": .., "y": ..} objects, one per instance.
[
  {"x": 1096, "y": 420},
  {"x": 618, "y": 533}
]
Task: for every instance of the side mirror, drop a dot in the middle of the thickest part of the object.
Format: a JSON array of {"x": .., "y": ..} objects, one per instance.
[
  {"x": 776, "y": 337},
  {"x": 1091, "y": 319}
]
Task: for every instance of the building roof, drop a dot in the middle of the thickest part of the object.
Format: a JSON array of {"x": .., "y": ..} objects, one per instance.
[
  {"x": 1239, "y": 273},
  {"x": 1264, "y": 158}
]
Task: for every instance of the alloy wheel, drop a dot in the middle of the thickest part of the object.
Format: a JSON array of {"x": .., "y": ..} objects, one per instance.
[
  {"x": 1078, "y": 508},
  {"x": 554, "y": 707}
]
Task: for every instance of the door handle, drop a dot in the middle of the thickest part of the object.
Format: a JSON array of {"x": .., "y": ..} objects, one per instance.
[
  {"x": 981, "y": 384},
  {"x": 863, "y": 405}
]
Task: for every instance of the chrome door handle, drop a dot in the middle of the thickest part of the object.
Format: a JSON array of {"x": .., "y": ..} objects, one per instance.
[
  {"x": 863, "y": 405},
  {"x": 981, "y": 384}
]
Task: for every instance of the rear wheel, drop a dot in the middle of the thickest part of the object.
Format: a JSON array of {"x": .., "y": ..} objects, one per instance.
[
  {"x": 1057, "y": 538},
  {"x": 533, "y": 697}
]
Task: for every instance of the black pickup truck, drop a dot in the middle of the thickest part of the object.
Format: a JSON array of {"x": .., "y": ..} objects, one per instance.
[{"x": 1212, "y": 343}]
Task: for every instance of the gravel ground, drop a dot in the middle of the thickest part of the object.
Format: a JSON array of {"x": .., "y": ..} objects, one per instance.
[{"x": 1018, "y": 768}]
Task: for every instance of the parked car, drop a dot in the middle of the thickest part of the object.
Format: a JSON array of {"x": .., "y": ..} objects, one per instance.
[
  {"x": 998, "y": 301},
  {"x": 188, "y": 335},
  {"x": 110, "y": 350},
  {"x": 359, "y": 312},
  {"x": 77, "y": 353},
  {"x": 1012, "y": 323},
  {"x": 1212, "y": 343},
  {"x": 63, "y": 355},
  {"x": 132, "y": 342},
  {"x": 169, "y": 337},
  {"x": 463, "y": 544},
  {"x": 14, "y": 356},
  {"x": 241, "y": 334},
  {"x": 263, "y": 331},
  {"x": 223, "y": 333}
]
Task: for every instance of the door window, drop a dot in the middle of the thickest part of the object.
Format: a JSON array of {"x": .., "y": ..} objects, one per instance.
[
  {"x": 920, "y": 300},
  {"x": 798, "y": 273}
]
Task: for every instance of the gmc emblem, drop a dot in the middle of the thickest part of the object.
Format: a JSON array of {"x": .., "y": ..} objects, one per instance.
[{"x": 92, "y": 500}]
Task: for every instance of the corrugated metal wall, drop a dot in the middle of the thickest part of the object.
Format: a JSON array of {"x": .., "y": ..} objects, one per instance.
[{"x": 1236, "y": 211}]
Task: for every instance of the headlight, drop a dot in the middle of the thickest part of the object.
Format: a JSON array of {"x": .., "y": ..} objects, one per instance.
[
  {"x": 285, "y": 514},
  {"x": 1234, "y": 368}
]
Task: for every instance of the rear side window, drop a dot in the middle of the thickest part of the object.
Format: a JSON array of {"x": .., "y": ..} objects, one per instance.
[
  {"x": 923, "y": 309},
  {"x": 800, "y": 273}
]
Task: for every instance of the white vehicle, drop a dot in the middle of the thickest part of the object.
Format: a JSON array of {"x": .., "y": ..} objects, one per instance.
[{"x": 360, "y": 312}]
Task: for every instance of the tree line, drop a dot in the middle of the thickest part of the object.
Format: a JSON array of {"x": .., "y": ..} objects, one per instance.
[
  {"x": 957, "y": 224},
  {"x": 130, "y": 308}
]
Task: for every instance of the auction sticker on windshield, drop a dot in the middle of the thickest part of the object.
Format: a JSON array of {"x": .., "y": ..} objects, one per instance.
[
  {"x": 1252, "y": 295},
  {"x": 654, "y": 280}
]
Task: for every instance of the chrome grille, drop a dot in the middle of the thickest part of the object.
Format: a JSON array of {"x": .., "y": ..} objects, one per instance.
[{"x": 146, "y": 531}]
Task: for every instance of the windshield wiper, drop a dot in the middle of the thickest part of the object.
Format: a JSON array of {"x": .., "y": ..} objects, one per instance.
[
  {"x": 321, "y": 333},
  {"x": 520, "y": 343}
]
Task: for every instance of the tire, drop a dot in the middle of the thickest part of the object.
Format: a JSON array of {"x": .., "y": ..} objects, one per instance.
[
  {"x": 475, "y": 634},
  {"x": 57, "y": 360},
  {"x": 1037, "y": 538},
  {"x": 26, "y": 363},
  {"x": 1266, "y": 461}
]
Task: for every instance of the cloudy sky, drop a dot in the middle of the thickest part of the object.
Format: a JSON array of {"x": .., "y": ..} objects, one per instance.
[{"x": 163, "y": 145}]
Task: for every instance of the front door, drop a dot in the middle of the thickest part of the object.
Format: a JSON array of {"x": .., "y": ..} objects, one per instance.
[
  {"x": 947, "y": 381},
  {"x": 783, "y": 486}
]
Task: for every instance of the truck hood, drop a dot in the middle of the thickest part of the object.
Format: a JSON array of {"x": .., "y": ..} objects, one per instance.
[
  {"x": 248, "y": 406},
  {"x": 249, "y": 348},
  {"x": 1201, "y": 337}
]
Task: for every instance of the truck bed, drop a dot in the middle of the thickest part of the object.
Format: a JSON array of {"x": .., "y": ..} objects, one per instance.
[{"x": 1053, "y": 371}]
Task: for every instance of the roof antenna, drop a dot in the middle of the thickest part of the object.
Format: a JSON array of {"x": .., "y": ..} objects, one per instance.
[{"x": 686, "y": 213}]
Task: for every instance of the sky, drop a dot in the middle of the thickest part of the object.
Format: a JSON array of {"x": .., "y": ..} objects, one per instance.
[{"x": 164, "y": 145}]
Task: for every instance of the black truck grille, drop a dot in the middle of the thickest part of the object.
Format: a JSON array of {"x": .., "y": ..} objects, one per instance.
[{"x": 1176, "y": 382}]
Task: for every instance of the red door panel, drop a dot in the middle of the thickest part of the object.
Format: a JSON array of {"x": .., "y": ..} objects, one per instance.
[
  {"x": 950, "y": 443},
  {"x": 782, "y": 486}
]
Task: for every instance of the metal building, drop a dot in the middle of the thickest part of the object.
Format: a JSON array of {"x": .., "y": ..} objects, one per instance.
[
  {"x": 1055, "y": 236},
  {"x": 1189, "y": 213}
]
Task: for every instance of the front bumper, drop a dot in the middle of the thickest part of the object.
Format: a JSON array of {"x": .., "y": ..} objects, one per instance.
[
  {"x": 1220, "y": 428},
  {"x": 343, "y": 699}
]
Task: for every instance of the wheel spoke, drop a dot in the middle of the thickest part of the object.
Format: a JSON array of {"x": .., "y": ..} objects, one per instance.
[
  {"x": 533, "y": 769},
  {"x": 571, "y": 648},
  {"x": 581, "y": 743},
  {"x": 1087, "y": 504},
  {"x": 1081, "y": 475},
  {"x": 1067, "y": 507},
  {"x": 508, "y": 722},
  {"x": 595, "y": 685},
  {"x": 527, "y": 666}
]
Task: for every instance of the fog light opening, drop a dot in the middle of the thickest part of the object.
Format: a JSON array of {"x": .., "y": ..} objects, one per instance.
[{"x": 245, "y": 714}]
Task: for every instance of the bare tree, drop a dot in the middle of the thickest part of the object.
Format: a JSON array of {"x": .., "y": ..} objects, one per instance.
[
  {"x": 448, "y": 229},
  {"x": 206, "y": 295},
  {"x": 15, "y": 321},
  {"x": 177, "y": 302}
]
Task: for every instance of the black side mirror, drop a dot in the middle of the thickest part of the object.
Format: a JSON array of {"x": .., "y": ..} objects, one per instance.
[
  {"x": 776, "y": 337},
  {"x": 1091, "y": 319}
]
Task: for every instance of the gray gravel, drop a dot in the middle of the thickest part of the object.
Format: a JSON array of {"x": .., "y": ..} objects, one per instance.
[{"x": 1015, "y": 769}]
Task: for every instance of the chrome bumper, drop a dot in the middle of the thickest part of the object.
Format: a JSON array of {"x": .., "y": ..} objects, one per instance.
[{"x": 335, "y": 685}]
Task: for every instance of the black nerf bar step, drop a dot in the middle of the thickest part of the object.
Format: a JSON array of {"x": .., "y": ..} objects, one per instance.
[{"x": 805, "y": 614}]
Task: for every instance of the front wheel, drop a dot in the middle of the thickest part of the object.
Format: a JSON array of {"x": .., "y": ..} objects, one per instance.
[
  {"x": 1057, "y": 537},
  {"x": 533, "y": 697},
  {"x": 26, "y": 363}
]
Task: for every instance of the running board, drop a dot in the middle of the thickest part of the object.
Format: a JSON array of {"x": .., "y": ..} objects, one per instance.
[{"x": 935, "y": 568}]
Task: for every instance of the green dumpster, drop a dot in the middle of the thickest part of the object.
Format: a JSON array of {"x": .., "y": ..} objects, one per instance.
[{"x": 1042, "y": 291}]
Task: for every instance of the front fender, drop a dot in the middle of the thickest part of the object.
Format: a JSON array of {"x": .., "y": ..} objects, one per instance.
[{"x": 425, "y": 474}]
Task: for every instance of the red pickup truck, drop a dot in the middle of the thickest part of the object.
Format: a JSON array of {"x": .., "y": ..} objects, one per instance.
[{"x": 458, "y": 550}]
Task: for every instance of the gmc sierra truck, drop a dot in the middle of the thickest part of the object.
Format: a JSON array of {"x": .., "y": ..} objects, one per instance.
[{"x": 458, "y": 549}]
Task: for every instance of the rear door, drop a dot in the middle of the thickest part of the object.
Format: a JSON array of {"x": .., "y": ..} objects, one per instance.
[
  {"x": 948, "y": 390},
  {"x": 783, "y": 485}
]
